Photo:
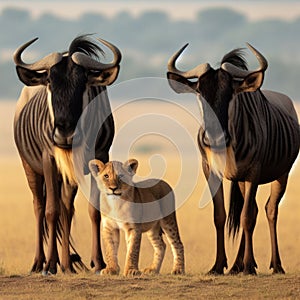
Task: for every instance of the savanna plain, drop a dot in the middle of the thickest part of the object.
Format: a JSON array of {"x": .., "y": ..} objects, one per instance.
[{"x": 17, "y": 235}]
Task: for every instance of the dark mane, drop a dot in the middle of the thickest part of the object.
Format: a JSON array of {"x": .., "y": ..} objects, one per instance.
[
  {"x": 86, "y": 45},
  {"x": 237, "y": 58}
]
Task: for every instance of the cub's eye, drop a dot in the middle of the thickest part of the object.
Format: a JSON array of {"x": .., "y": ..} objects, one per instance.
[{"x": 106, "y": 176}]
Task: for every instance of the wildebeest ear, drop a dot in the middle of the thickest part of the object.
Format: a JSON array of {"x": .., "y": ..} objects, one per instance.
[
  {"x": 32, "y": 78},
  {"x": 131, "y": 165},
  {"x": 180, "y": 84},
  {"x": 105, "y": 77},
  {"x": 95, "y": 167},
  {"x": 251, "y": 83}
]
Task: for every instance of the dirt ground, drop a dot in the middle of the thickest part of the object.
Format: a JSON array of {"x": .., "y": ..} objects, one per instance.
[{"x": 154, "y": 287}]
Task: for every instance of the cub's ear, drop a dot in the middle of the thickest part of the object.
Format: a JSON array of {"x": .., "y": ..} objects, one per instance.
[
  {"x": 32, "y": 78},
  {"x": 131, "y": 166},
  {"x": 96, "y": 166},
  {"x": 180, "y": 84},
  {"x": 105, "y": 77}
]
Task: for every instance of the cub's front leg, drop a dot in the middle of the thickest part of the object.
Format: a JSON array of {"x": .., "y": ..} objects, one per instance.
[
  {"x": 133, "y": 241},
  {"x": 111, "y": 239}
]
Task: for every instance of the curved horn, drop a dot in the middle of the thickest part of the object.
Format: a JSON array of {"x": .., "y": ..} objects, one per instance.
[
  {"x": 261, "y": 59},
  {"x": 194, "y": 73},
  {"x": 43, "y": 64},
  {"x": 92, "y": 64},
  {"x": 240, "y": 73}
]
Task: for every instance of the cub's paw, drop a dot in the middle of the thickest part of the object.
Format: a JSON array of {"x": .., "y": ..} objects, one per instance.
[
  {"x": 150, "y": 270},
  {"x": 177, "y": 271},
  {"x": 109, "y": 271},
  {"x": 132, "y": 272}
]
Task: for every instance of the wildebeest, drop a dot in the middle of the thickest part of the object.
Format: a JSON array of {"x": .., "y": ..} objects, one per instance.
[
  {"x": 259, "y": 134},
  {"x": 60, "y": 87}
]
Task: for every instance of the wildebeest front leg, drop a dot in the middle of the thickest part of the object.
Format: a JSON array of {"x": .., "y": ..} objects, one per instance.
[
  {"x": 36, "y": 182},
  {"x": 52, "y": 211},
  {"x": 219, "y": 220},
  {"x": 277, "y": 191},
  {"x": 97, "y": 260},
  {"x": 248, "y": 220},
  {"x": 68, "y": 194}
]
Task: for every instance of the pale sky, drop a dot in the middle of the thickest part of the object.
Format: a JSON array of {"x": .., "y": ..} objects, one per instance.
[{"x": 178, "y": 10}]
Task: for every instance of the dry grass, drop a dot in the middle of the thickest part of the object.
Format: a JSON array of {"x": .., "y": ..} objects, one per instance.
[
  {"x": 156, "y": 287},
  {"x": 17, "y": 244}
]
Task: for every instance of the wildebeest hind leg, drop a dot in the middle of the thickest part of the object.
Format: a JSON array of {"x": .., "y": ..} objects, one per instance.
[
  {"x": 277, "y": 191},
  {"x": 248, "y": 220},
  {"x": 238, "y": 265},
  {"x": 36, "y": 183}
]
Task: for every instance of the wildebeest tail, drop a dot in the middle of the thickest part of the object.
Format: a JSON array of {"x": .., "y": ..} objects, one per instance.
[{"x": 235, "y": 209}]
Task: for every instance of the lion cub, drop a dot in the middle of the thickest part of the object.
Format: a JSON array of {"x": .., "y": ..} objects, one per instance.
[{"x": 146, "y": 206}]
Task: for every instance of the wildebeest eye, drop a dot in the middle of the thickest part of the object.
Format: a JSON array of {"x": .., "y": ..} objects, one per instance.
[{"x": 120, "y": 176}]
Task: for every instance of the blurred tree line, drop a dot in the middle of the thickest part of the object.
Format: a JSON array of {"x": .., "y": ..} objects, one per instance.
[{"x": 147, "y": 41}]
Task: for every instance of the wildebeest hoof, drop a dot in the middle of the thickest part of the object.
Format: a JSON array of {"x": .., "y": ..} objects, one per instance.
[
  {"x": 38, "y": 265},
  {"x": 218, "y": 268},
  {"x": 36, "y": 269},
  {"x": 278, "y": 270},
  {"x": 52, "y": 271},
  {"x": 249, "y": 271},
  {"x": 49, "y": 272},
  {"x": 100, "y": 264},
  {"x": 45, "y": 273},
  {"x": 235, "y": 270},
  {"x": 68, "y": 270},
  {"x": 215, "y": 271}
]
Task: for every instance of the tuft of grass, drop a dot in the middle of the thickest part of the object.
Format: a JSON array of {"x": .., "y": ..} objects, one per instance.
[{"x": 2, "y": 269}]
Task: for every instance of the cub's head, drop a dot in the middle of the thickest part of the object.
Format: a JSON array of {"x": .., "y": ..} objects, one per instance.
[{"x": 114, "y": 177}]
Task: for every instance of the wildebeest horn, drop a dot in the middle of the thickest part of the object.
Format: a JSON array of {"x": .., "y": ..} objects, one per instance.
[
  {"x": 240, "y": 73},
  {"x": 92, "y": 64},
  {"x": 43, "y": 64},
  {"x": 194, "y": 73}
]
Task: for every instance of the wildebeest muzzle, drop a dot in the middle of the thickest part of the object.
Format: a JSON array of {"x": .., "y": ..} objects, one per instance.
[{"x": 66, "y": 139}]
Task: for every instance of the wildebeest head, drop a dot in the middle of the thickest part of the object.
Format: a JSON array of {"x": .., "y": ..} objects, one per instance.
[
  {"x": 68, "y": 76},
  {"x": 215, "y": 89}
]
